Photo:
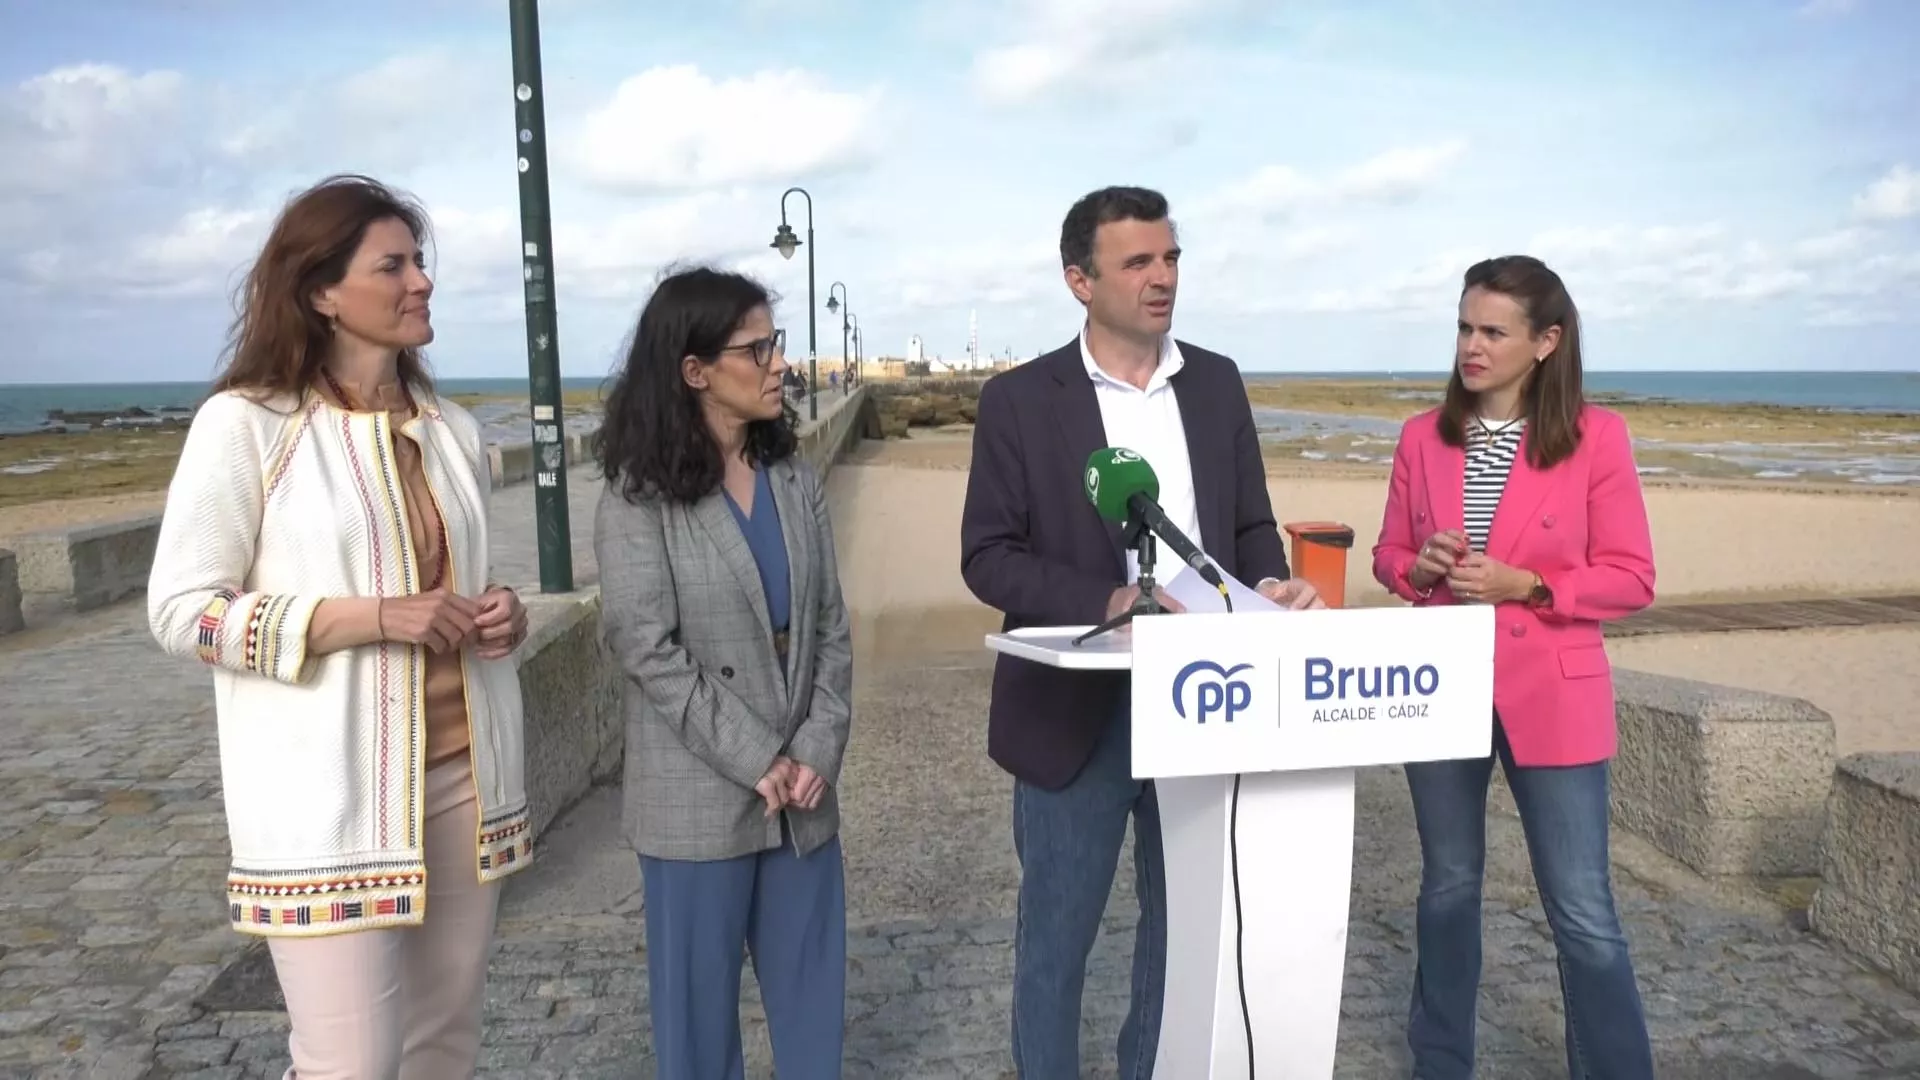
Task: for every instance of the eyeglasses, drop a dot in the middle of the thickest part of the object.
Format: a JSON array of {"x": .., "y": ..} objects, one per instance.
[{"x": 762, "y": 350}]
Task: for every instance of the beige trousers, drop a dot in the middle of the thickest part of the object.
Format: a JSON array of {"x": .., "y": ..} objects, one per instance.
[{"x": 401, "y": 1003}]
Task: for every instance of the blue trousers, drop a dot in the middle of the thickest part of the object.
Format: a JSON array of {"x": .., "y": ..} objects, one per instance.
[
  {"x": 1069, "y": 845},
  {"x": 790, "y": 914},
  {"x": 1564, "y": 813}
]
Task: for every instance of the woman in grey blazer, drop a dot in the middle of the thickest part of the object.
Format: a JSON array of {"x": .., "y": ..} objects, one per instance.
[{"x": 721, "y": 603}]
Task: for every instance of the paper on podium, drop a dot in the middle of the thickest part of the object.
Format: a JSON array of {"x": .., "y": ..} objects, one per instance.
[{"x": 1195, "y": 594}]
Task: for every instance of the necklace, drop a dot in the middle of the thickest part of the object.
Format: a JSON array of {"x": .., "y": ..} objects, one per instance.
[
  {"x": 340, "y": 395},
  {"x": 1492, "y": 431}
]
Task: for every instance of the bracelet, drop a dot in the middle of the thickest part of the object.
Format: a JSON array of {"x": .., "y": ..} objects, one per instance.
[{"x": 380, "y": 617}]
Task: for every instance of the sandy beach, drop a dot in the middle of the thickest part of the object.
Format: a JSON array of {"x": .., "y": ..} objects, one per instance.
[
  {"x": 1718, "y": 536},
  {"x": 900, "y": 523}
]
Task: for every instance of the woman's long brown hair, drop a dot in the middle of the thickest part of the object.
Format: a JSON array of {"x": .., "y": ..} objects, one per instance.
[
  {"x": 1553, "y": 397},
  {"x": 278, "y": 341}
]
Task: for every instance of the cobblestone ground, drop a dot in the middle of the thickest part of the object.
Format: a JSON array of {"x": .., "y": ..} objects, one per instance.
[
  {"x": 1730, "y": 995},
  {"x": 111, "y": 851},
  {"x": 112, "y": 843}
]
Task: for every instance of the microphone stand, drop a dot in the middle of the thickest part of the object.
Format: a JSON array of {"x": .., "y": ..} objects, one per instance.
[{"x": 1136, "y": 535}]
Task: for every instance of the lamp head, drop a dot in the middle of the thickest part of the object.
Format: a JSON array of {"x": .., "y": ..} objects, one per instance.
[
  {"x": 833, "y": 305},
  {"x": 784, "y": 241}
]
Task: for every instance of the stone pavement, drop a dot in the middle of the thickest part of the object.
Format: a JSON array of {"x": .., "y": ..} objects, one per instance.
[
  {"x": 112, "y": 844},
  {"x": 1735, "y": 988},
  {"x": 112, "y": 850}
]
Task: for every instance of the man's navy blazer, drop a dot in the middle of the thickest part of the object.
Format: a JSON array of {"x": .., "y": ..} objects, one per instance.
[{"x": 1032, "y": 547}]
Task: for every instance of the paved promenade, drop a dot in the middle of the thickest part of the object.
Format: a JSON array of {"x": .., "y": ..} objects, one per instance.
[{"x": 112, "y": 851}]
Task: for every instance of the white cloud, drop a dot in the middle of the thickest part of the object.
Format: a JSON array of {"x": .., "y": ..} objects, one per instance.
[
  {"x": 1893, "y": 196},
  {"x": 428, "y": 107},
  {"x": 1280, "y": 191},
  {"x": 1398, "y": 174},
  {"x": 84, "y": 124},
  {"x": 677, "y": 129},
  {"x": 1840, "y": 277},
  {"x": 1057, "y": 43},
  {"x": 1423, "y": 292}
]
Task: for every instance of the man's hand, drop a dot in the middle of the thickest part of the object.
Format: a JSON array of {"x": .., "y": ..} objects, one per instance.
[
  {"x": 1296, "y": 594},
  {"x": 1123, "y": 598},
  {"x": 1488, "y": 581}
]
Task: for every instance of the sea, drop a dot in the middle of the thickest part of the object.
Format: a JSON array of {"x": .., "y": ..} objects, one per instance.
[{"x": 25, "y": 407}]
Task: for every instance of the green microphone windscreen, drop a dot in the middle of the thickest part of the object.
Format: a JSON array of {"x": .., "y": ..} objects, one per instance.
[{"x": 1114, "y": 476}]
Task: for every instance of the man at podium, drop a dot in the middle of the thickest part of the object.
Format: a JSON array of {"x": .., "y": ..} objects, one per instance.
[{"x": 1033, "y": 548}]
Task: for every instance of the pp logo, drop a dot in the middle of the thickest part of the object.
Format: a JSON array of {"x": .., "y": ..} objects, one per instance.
[
  {"x": 1093, "y": 484},
  {"x": 1123, "y": 456},
  {"x": 1222, "y": 695}
]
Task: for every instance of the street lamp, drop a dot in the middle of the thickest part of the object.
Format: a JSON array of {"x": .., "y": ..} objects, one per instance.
[
  {"x": 784, "y": 242},
  {"x": 859, "y": 359},
  {"x": 845, "y": 310}
]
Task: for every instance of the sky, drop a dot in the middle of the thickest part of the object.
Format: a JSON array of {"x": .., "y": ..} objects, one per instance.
[{"x": 1722, "y": 185}]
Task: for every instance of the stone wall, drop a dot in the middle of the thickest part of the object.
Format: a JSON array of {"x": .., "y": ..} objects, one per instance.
[
  {"x": 570, "y": 692},
  {"x": 842, "y": 420},
  {"x": 1728, "y": 781},
  {"x": 89, "y": 566},
  {"x": 10, "y": 616},
  {"x": 1869, "y": 896},
  {"x": 512, "y": 463}
]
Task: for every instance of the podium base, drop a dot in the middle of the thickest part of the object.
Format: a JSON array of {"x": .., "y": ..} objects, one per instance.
[{"x": 1295, "y": 840}]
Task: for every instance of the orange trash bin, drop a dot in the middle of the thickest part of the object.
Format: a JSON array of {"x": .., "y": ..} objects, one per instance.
[{"x": 1320, "y": 556}]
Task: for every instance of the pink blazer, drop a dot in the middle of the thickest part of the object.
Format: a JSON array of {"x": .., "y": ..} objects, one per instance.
[{"x": 1582, "y": 526}]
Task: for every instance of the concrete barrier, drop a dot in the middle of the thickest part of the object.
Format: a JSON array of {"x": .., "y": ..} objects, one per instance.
[
  {"x": 1728, "y": 781},
  {"x": 1868, "y": 901},
  {"x": 570, "y": 692},
  {"x": 89, "y": 566},
  {"x": 840, "y": 424},
  {"x": 513, "y": 463},
  {"x": 11, "y": 619}
]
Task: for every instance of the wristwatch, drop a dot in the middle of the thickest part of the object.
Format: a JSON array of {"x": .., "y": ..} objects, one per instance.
[{"x": 1539, "y": 595}]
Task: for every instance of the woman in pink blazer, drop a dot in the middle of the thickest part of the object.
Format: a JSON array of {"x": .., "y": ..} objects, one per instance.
[{"x": 1516, "y": 492}]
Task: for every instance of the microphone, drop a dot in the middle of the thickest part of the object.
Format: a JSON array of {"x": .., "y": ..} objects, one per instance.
[{"x": 1122, "y": 487}]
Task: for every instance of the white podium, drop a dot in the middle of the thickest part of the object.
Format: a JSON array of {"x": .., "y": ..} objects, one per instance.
[{"x": 1286, "y": 704}]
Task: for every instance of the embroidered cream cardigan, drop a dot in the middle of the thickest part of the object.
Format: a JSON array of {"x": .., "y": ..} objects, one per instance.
[{"x": 274, "y": 508}]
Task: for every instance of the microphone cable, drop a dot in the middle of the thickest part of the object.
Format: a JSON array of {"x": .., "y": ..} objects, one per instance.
[{"x": 1239, "y": 921}]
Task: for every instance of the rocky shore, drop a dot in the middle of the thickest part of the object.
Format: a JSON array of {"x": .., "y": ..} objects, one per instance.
[
  {"x": 65, "y": 422},
  {"x": 923, "y": 403}
]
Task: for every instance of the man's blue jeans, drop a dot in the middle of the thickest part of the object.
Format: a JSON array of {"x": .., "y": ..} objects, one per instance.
[
  {"x": 1069, "y": 844},
  {"x": 1564, "y": 814}
]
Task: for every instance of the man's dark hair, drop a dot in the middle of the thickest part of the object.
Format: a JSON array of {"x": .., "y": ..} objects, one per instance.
[{"x": 1103, "y": 207}]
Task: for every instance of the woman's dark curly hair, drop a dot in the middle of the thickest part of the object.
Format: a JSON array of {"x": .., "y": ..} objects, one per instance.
[{"x": 654, "y": 441}]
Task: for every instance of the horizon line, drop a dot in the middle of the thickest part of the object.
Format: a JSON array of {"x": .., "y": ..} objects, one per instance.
[{"x": 1332, "y": 373}]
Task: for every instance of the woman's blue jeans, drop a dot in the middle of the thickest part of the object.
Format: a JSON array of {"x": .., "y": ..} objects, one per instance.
[{"x": 1564, "y": 812}]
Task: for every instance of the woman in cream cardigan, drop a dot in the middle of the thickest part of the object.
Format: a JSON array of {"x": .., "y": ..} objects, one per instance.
[{"x": 325, "y": 552}]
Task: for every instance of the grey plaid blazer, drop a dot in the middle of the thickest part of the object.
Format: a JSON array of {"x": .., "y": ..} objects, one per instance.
[{"x": 707, "y": 705}]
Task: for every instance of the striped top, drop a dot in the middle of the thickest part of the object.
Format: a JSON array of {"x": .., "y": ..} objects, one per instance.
[{"x": 1490, "y": 452}]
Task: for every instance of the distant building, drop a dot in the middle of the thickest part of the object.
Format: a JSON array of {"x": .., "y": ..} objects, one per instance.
[{"x": 916, "y": 350}]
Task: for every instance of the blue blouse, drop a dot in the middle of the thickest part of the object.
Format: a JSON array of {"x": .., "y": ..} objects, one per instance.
[{"x": 760, "y": 525}]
